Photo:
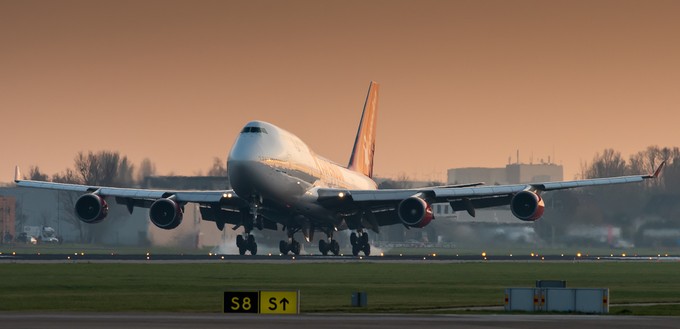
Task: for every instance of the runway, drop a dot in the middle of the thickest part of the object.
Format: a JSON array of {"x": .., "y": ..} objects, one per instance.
[
  {"x": 208, "y": 258},
  {"x": 207, "y": 321}
]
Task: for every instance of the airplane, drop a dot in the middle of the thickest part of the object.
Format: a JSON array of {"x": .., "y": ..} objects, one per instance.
[{"x": 277, "y": 180}]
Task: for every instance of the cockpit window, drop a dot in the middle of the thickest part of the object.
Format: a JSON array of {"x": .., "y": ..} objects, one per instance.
[{"x": 254, "y": 130}]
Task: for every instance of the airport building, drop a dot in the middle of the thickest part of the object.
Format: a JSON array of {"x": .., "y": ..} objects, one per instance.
[
  {"x": 516, "y": 173},
  {"x": 7, "y": 219}
]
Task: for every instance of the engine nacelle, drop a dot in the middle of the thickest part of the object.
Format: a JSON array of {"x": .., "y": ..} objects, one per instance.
[
  {"x": 527, "y": 206},
  {"x": 91, "y": 208},
  {"x": 166, "y": 214},
  {"x": 415, "y": 212}
]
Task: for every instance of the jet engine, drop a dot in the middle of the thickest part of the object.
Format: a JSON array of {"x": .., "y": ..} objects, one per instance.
[
  {"x": 166, "y": 213},
  {"x": 415, "y": 212},
  {"x": 527, "y": 206},
  {"x": 91, "y": 208}
]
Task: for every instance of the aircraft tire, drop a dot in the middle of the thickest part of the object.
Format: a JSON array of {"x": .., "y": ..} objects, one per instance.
[
  {"x": 355, "y": 250},
  {"x": 323, "y": 247},
  {"x": 253, "y": 249},
  {"x": 367, "y": 249},
  {"x": 335, "y": 247},
  {"x": 353, "y": 239},
  {"x": 283, "y": 247}
]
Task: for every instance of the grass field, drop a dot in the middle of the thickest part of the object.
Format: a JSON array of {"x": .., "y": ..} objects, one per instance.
[{"x": 324, "y": 287}]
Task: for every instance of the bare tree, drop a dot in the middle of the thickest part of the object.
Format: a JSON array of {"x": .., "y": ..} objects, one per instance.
[
  {"x": 34, "y": 173},
  {"x": 218, "y": 168},
  {"x": 146, "y": 169}
]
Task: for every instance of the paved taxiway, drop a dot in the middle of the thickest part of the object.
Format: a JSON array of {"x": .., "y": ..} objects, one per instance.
[{"x": 207, "y": 321}]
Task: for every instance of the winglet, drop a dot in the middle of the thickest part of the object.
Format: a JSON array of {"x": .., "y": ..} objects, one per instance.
[
  {"x": 17, "y": 174},
  {"x": 657, "y": 172}
]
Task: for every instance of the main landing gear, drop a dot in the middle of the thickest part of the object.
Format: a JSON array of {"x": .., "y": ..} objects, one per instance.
[
  {"x": 291, "y": 245},
  {"x": 246, "y": 242},
  {"x": 360, "y": 243},
  {"x": 329, "y": 245}
]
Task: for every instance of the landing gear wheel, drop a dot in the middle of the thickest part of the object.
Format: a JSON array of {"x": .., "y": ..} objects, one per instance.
[
  {"x": 363, "y": 240},
  {"x": 367, "y": 250},
  {"x": 355, "y": 250},
  {"x": 324, "y": 247},
  {"x": 251, "y": 239},
  {"x": 353, "y": 239},
  {"x": 283, "y": 247},
  {"x": 253, "y": 249},
  {"x": 239, "y": 241},
  {"x": 295, "y": 247},
  {"x": 335, "y": 247}
]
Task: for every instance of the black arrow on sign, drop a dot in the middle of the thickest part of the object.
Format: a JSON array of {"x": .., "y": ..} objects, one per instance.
[{"x": 283, "y": 303}]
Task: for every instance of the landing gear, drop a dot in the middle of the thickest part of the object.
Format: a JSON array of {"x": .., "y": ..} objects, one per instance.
[
  {"x": 245, "y": 243},
  {"x": 292, "y": 246},
  {"x": 360, "y": 243},
  {"x": 331, "y": 245}
]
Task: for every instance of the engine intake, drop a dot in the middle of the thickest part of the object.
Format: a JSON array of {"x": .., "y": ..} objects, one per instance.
[
  {"x": 415, "y": 212},
  {"x": 166, "y": 214},
  {"x": 91, "y": 208},
  {"x": 527, "y": 206}
]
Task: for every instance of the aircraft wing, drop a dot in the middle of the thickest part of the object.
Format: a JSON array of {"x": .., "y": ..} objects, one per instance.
[
  {"x": 222, "y": 206},
  {"x": 382, "y": 204},
  {"x": 132, "y": 193}
]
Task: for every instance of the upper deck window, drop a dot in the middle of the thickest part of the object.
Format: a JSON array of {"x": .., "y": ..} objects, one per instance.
[{"x": 254, "y": 130}]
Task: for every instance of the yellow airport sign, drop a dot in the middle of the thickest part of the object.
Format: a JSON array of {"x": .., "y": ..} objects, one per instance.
[
  {"x": 262, "y": 302},
  {"x": 279, "y": 302}
]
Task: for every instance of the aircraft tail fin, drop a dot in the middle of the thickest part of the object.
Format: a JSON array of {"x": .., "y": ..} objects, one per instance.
[{"x": 364, "y": 144}]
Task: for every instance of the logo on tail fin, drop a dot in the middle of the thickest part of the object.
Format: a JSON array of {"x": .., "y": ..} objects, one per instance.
[{"x": 364, "y": 145}]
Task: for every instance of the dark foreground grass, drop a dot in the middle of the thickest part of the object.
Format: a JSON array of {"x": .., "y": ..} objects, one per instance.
[{"x": 324, "y": 287}]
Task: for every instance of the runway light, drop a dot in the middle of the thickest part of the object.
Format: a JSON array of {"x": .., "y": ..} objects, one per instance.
[
  {"x": 484, "y": 258},
  {"x": 561, "y": 255},
  {"x": 293, "y": 257},
  {"x": 578, "y": 254},
  {"x": 659, "y": 255},
  {"x": 484, "y": 254},
  {"x": 75, "y": 253},
  {"x": 14, "y": 253},
  {"x": 611, "y": 255},
  {"x": 147, "y": 254},
  {"x": 532, "y": 254},
  {"x": 666, "y": 255},
  {"x": 510, "y": 255},
  {"x": 623, "y": 255},
  {"x": 147, "y": 257},
  {"x": 223, "y": 257},
  {"x": 400, "y": 255},
  {"x": 650, "y": 258},
  {"x": 270, "y": 254},
  {"x": 82, "y": 254},
  {"x": 361, "y": 257},
  {"x": 38, "y": 254},
  {"x": 209, "y": 254},
  {"x": 434, "y": 255},
  {"x": 542, "y": 258},
  {"x": 69, "y": 257},
  {"x": 598, "y": 258},
  {"x": 382, "y": 254}
]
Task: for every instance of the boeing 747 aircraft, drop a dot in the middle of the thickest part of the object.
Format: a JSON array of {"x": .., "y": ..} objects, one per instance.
[{"x": 278, "y": 181}]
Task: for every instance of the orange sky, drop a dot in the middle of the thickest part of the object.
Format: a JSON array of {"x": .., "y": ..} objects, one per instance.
[{"x": 463, "y": 83}]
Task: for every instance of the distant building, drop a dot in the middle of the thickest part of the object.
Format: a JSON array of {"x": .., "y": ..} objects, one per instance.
[
  {"x": 515, "y": 173},
  {"x": 7, "y": 219}
]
